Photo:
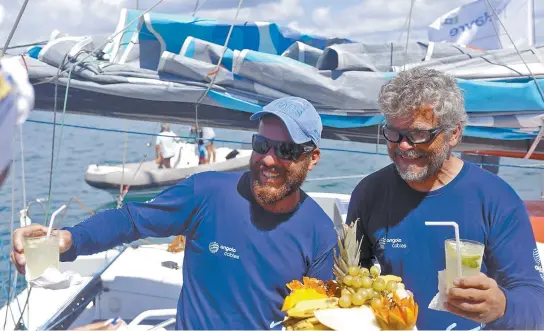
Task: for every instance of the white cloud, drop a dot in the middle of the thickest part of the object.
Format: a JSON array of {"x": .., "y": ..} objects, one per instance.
[
  {"x": 272, "y": 11},
  {"x": 2, "y": 14}
]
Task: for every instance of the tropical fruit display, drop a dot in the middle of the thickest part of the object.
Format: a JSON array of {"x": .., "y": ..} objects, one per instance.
[{"x": 357, "y": 297}]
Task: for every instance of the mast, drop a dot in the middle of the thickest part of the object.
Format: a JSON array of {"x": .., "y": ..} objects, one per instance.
[{"x": 531, "y": 22}]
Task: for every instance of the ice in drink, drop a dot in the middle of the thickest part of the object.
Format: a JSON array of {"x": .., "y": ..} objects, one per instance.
[
  {"x": 40, "y": 253},
  {"x": 472, "y": 253}
]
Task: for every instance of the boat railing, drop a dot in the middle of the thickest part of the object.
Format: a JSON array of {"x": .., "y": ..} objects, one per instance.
[
  {"x": 73, "y": 308},
  {"x": 155, "y": 313}
]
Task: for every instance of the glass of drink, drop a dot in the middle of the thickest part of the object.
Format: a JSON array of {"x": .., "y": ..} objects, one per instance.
[
  {"x": 471, "y": 252},
  {"x": 40, "y": 253}
]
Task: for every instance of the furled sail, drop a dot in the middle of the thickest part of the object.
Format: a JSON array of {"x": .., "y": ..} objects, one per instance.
[{"x": 159, "y": 67}]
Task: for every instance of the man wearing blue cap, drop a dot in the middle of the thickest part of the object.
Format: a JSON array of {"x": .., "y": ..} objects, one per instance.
[{"x": 248, "y": 234}]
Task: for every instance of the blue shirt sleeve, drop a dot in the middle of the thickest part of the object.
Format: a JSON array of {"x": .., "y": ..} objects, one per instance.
[
  {"x": 172, "y": 212},
  {"x": 512, "y": 260}
]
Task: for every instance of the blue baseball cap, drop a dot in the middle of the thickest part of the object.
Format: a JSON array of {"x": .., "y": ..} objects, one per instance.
[{"x": 299, "y": 116}]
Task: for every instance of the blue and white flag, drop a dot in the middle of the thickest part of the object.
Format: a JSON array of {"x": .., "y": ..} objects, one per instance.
[{"x": 475, "y": 24}]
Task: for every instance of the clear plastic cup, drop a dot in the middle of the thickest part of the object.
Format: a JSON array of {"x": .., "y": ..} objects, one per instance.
[
  {"x": 472, "y": 253},
  {"x": 40, "y": 253}
]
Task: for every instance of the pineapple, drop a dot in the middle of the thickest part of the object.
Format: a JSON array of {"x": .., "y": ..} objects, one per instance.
[{"x": 346, "y": 266}]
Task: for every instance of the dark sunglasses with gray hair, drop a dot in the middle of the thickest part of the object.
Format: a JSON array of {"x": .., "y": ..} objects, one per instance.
[{"x": 416, "y": 136}]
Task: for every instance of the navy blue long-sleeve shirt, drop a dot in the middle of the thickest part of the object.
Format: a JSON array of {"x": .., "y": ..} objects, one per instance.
[
  {"x": 487, "y": 210},
  {"x": 238, "y": 257}
]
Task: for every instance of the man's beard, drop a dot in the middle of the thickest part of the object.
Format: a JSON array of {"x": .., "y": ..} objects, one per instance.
[
  {"x": 433, "y": 163},
  {"x": 268, "y": 194}
]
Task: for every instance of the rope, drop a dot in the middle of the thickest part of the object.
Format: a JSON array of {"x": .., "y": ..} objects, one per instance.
[
  {"x": 124, "y": 161},
  {"x": 68, "y": 88},
  {"x": 12, "y": 32},
  {"x": 497, "y": 33},
  {"x": 43, "y": 42},
  {"x": 11, "y": 229},
  {"x": 408, "y": 33},
  {"x": 249, "y": 143},
  {"x": 198, "y": 7},
  {"x": 537, "y": 140},
  {"x": 216, "y": 70},
  {"x": 109, "y": 39},
  {"x": 22, "y": 165}
]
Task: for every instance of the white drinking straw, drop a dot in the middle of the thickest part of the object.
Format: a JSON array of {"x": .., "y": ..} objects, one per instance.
[
  {"x": 53, "y": 219},
  {"x": 457, "y": 240}
]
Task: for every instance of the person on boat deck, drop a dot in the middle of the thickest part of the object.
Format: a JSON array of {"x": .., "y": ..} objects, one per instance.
[
  {"x": 16, "y": 101},
  {"x": 248, "y": 233},
  {"x": 208, "y": 134},
  {"x": 424, "y": 120},
  {"x": 165, "y": 147},
  {"x": 196, "y": 132},
  {"x": 202, "y": 153}
]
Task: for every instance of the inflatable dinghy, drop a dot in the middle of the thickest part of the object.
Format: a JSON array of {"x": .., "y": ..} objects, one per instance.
[{"x": 147, "y": 178}]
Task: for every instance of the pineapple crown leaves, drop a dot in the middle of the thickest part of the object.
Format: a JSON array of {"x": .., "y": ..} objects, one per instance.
[{"x": 350, "y": 248}]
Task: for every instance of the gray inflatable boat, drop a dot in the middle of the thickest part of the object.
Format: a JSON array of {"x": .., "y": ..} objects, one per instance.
[{"x": 145, "y": 179}]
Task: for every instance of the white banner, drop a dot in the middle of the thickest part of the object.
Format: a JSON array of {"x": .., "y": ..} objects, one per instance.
[{"x": 475, "y": 24}]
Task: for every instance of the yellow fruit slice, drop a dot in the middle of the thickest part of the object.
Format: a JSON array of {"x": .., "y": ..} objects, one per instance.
[
  {"x": 305, "y": 309},
  {"x": 391, "y": 277}
]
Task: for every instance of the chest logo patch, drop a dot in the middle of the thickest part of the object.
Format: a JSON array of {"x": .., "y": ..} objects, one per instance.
[
  {"x": 215, "y": 247},
  {"x": 393, "y": 242}
]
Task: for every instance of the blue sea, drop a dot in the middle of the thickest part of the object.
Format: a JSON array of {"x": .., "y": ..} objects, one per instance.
[{"x": 337, "y": 171}]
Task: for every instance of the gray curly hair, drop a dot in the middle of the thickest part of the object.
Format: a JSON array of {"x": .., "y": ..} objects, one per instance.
[{"x": 412, "y": 89}]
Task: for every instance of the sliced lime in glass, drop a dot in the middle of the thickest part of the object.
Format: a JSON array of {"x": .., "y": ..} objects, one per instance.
[{"x": 470, "y": 261}]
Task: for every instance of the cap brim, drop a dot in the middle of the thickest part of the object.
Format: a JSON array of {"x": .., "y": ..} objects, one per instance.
[{"x": 297, "y": 135}]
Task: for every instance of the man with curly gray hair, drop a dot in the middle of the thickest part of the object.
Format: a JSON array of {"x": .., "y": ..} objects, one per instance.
[{"x": 424, "y": 121}]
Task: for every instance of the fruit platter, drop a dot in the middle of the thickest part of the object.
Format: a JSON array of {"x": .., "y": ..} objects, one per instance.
[{"x": 357, "y": 297}]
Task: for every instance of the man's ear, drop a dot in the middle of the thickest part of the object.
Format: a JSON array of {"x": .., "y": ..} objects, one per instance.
[
  {"x": 314, "y": 158},
  {"x": 455, "y": 137}
]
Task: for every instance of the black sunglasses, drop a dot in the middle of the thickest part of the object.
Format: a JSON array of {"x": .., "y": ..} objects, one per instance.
[
  {"x": 413, "y": 136},
  {"x": 284, "y": 150}
]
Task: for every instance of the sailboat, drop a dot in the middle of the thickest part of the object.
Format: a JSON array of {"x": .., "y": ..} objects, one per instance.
[{"x": 159, "y": 69}]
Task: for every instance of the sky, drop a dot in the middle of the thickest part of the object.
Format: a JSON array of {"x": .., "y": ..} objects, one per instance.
[{"x": 360, "y": 20}]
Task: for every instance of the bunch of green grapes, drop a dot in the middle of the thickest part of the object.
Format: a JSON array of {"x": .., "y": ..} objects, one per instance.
[{"x": 365, "y": 287}]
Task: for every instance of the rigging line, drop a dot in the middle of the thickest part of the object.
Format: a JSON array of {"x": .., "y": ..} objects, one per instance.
[
  {"x": 196, "y": 8},
  {"x": 408, "y": 33},
  {"x": 22, "y": 164},
  {"x": 537, "y": 140},
  {"x": 517, "y": 50},
  {"x": 249, "y": 143},
  {"x": 55, "y": 106},
  {"x": 11, "y": 229},
  {"x": 43, "y": 42},
  {"x": 12, "y": 32},
  {"x": 216, "y": 71},
  {"x": 199, "y": 7},
  {"x": 124, "y": 161},
  {"x": 108, "y": 40},
  {"x": 75, "y": 65},
  {"x": 404, "y": 26},
  {"x": 494, "y": 26},
  {"x": 21, "y": 318}
]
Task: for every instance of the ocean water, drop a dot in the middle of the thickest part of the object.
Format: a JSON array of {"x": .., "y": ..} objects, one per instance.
[{"x": 337, "y": 172}]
